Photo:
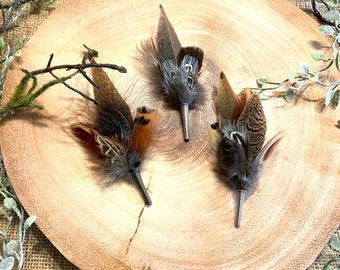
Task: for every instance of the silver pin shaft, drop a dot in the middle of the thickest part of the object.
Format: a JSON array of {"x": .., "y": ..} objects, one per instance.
[
  {"x": 241, "y": 196},
  {"x": 185, "y": 121},
  {"x": 140, "y": 185}
]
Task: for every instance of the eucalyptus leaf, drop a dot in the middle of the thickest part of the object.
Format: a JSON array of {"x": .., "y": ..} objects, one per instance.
[
  {"x": 291, "y": 78},
  {"x": 332, "y": 15},
  {"x": 328, "y": 97},
  {"x": 11, "y": 247},
  {"x": 17, "y": 53},
  {"x": 29, "y": 221},
  {"x": 336, "y": 99},
  {"x": 262, "y": 80},
  {"x": 326, "y": 30},
  {"x": 10, "y": 203},
  {"x": 6, "y": 184},
  {"x": 7, "y": 264},
  {"x": 317, "y": 56},
  {"x": 289, "y": 95},
  {"x": 304, "y": 67},
  {"x": 334, "y": 243},
  {"x": 2, "y": 43}
]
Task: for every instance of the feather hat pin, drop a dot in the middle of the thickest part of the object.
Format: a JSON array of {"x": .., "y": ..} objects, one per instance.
[
  {"x": 238, "y": 137},
  {"x": 116, "y": 142},
  {"x": 173, "y": 69}
]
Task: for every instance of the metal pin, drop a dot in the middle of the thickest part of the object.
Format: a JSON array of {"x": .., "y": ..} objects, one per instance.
[
  {"x": 241, "y": 196},
  {"x": 140, "y": 185},
  {"x": 184, "y": 114}
]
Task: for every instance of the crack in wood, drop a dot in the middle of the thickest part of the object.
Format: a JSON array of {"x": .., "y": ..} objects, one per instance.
[{"x": 138, "y": 223}]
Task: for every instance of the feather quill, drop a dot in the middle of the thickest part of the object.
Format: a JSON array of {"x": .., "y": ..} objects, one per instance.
[
  {"x": 116, "y": 142},
  {"x": 173, "y": 69},
  {"x": 238, "y": 137}
]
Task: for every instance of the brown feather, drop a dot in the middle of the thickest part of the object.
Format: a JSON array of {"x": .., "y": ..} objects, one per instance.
[
  {"x": 195, "y": 52},
  {"x": 273, "y": 143},
  {"x": 150, "y": 66},
  {"x": 238, "y": 137},
  {"x": 107, "y": 91},
  {"x": 144, "y": 127},
  {"x": 116, "y": 142},
  {"x": 172, "y": 71},
  {"x": 168, "y": 44},
  {"x": 86, "y": 137},
  {"x": 254, "y": 120}
]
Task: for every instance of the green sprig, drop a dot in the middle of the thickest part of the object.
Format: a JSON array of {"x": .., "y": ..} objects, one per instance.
[
  {"x": 12, "y": 249},
  {"x": 297, "y": 83}
]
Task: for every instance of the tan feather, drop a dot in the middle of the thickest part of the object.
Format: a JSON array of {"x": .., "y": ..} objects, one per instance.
[{"x": 226, "y": 101}]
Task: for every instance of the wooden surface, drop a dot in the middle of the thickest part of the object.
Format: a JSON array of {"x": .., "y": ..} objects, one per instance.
[{"x": 191, "y": 222}]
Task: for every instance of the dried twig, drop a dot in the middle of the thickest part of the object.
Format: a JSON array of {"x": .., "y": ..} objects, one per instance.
[{"x": 25, "y": 95}]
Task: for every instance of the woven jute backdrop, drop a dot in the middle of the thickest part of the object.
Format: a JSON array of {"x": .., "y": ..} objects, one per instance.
[{"x": 39, "y": 252}]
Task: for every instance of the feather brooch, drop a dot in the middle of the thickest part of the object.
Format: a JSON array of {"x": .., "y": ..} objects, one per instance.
[
  {"x": 172, "y": 69},
  {"x": 116, "y": 142},
  {"x": 238, "y": 137}
]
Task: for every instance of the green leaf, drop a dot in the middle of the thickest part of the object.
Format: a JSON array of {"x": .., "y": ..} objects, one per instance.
[
  {"x": 335, "y": 2},
  {"x": 46, "y": 3},
  {"x": 17, "y": 53},
  {"x": 289, "y": 95},
  {"x": 29, "y": 221},
  {"x": 262, "y": 80},
  {"x": 326, "y": 30},
  {"x": 334, "y": 243},
  {"x": 17, "y": 46},
  {"x": 303, "y": 68},
  {"x": 336, "y": 99},
  {"x": 328, "y": 97},
  {"x": 10, "y": 203},
  {"x": 2, "y": 43},
  {"x": 337, "y": 61},
  {"x": 291, "y": 78},
  {"x": 11, "y": 247},
  {"x": 7, "y": 264},
  {"x": 317, "y": 56},
  {"x": 332, "y": 15}
]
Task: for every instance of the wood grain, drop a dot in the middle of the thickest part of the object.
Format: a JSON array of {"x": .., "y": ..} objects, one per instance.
[{"x": 191, "y": 222}]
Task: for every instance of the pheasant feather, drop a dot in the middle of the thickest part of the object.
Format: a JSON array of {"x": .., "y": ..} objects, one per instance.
[
  {"x": 116, "y": 141},
  {"x": 172, "y": 69},
  {"x": 238, "y": 137}
]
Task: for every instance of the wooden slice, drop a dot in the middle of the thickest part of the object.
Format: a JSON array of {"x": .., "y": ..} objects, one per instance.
[{"x": 190, "y": 225}]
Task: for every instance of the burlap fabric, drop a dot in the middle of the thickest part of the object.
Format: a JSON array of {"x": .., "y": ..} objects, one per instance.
[{"x": 39, "y": 252}]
